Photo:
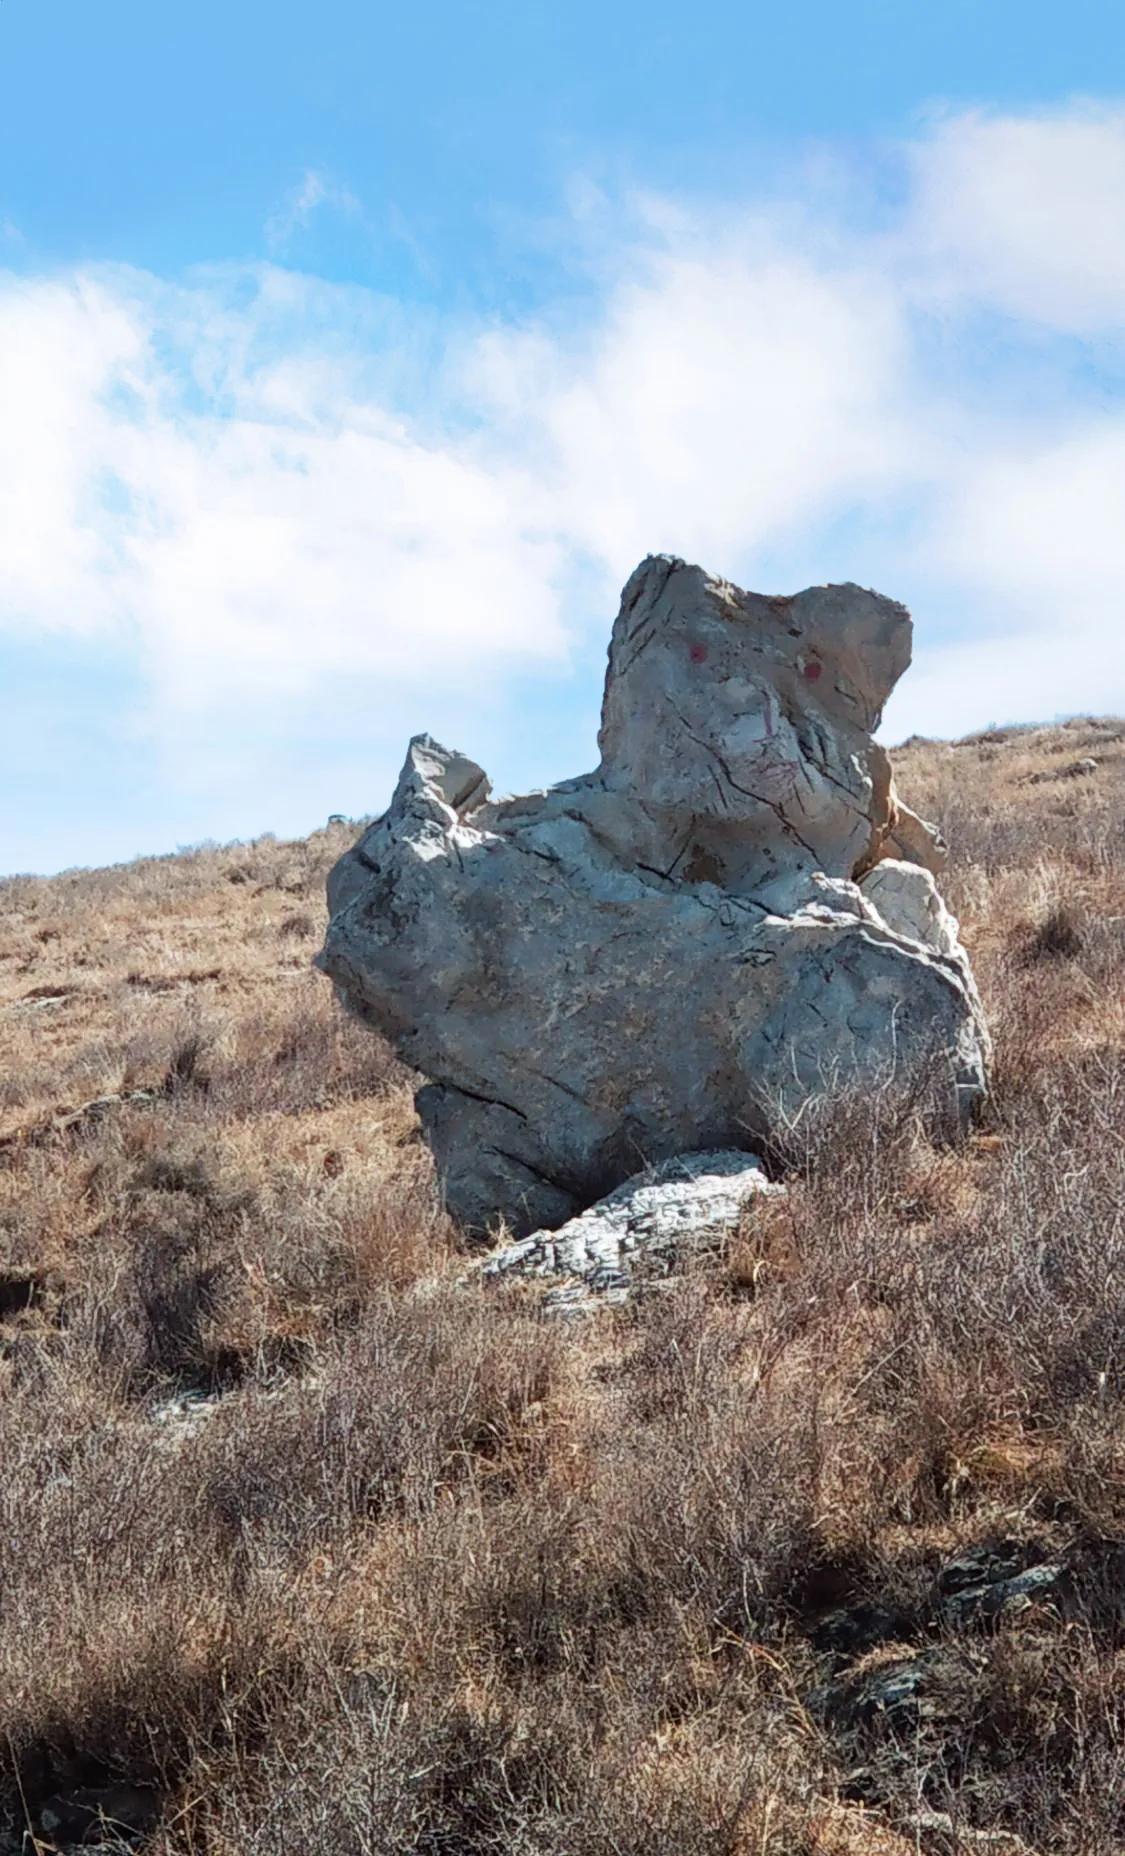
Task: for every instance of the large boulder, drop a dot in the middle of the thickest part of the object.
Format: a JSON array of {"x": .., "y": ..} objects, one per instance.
[{"x": 731, "y": 915}]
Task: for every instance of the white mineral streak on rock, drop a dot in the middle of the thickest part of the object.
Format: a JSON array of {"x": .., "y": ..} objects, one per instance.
[
  {"x": 907, "y": 899},
  {"x": 684, "y": 1204},
  {"x": 673, "y": 953}
]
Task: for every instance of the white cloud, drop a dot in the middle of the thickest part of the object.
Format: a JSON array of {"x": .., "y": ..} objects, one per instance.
[
  {"x": 727, "y": 395},
  {"x": 253, "y": 522},
  {"x": 1026, "y": 214},
  {"x": 1042, "y": 528},
  {"x": 60, "y": 347},
  {"x": 1033, "y": 535},
  {"x": 313, "y": 191},
  {"x": 271, "y": 484}
]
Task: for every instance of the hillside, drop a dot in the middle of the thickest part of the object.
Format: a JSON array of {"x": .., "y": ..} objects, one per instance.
[{"x": 308, "y": 1544}]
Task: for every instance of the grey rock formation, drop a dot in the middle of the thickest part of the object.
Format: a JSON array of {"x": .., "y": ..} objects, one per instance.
[
  {"x": 672, "y": 953},
  {"x": 645, "y": 1226}
]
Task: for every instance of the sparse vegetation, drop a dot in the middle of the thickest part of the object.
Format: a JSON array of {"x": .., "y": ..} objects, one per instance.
[{"x": 307, "y": 1545}]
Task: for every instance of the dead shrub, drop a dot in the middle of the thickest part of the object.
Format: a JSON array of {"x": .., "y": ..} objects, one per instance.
[
  {"x": 305, "y": 1542},
  {"x": 1060, "y": 935}
]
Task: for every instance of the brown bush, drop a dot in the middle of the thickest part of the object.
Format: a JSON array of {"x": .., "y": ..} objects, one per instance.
[{"x": 306, "y": 1543}]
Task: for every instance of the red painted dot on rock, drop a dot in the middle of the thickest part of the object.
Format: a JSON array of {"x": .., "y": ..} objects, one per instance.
[
  {"x": 698, "y": 653},
  {"x": 813, "y": 670}
]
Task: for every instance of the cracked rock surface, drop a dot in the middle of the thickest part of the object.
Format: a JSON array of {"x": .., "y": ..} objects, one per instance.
[
  {"x": 649, "y": 1222},
  {"x": 733, "y": 913}
]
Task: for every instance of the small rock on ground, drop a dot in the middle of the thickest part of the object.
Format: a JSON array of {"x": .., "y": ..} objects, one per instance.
[{"x": 641, "y": 1228}]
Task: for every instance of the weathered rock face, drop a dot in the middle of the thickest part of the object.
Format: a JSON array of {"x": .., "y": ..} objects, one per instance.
[
  {"x": 644, "y": 1227},
  {"x": 675, "y": 951}
]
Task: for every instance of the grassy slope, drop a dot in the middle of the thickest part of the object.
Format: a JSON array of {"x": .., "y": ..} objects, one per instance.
[{"x": 435, "y": 1576}]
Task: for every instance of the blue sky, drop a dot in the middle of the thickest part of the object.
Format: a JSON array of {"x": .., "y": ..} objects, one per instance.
[{"x": 351, "y": 356}]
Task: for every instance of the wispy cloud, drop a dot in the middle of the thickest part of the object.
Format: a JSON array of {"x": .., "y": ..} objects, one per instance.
[
  {"x": 314, "y": 192},
  {"x": 266, "y": 485},
  {"x": 1025, "y": 213}
]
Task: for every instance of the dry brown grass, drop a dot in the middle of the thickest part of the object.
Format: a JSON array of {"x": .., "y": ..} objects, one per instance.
[{"x": 305, "y": 1545}]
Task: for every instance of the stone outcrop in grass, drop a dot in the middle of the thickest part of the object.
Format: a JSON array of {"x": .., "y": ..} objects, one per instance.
[
  {"x": 731, "y": 915},
  {"x": 642, "y": 1229}
]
